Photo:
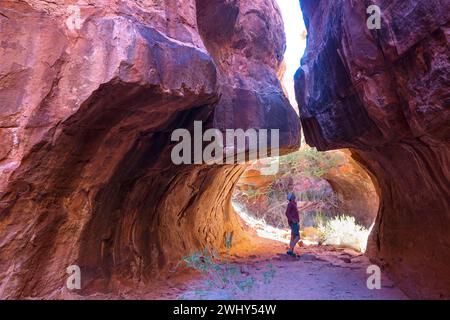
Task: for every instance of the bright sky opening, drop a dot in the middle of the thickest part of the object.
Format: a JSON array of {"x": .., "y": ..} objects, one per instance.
[{"x": 295, "y": 42}]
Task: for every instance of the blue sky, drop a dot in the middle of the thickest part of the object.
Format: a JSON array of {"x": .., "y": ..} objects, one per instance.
[{"x": 295, "y": 42}]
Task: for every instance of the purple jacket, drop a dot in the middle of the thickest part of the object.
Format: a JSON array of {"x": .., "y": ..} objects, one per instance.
[{"x": 292, "y": 212}]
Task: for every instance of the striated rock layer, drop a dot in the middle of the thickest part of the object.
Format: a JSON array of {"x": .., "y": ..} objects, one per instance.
[
  {"x": 88, "y": 103},
  {"x": 385, "y": 94}
]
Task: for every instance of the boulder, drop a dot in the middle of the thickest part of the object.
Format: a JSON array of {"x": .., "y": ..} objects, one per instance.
[{"x": 384, "y": 94}]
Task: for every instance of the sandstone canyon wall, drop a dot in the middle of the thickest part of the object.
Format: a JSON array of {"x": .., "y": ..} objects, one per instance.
[
  {"x": 355, "y": 190},
  {"x": 88, "y": 103},
  {"x": 385, "y": 94}
]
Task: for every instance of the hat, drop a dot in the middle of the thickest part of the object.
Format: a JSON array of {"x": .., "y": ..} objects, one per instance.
[{"x": 290, "y": 196}]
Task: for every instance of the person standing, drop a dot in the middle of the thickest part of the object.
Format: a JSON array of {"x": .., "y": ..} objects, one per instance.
[
  {"x": 292, "y": 214},
  {"x": 294, "y": 222}
]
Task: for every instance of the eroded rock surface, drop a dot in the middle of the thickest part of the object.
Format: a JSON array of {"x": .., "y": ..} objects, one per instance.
[
  {"x": 355, "y": 190},
  {"x": 385, "y": 94},
  {"x": 88, "y": 103}
]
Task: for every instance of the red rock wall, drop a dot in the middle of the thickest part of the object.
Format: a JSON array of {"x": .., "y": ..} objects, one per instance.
[
  {"x": 385, "y": 94},
  {"x": 355, "y": 190},
  {"x": 86, "y": 117}
]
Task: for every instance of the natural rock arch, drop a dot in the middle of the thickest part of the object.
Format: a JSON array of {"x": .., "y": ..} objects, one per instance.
[{"x": 88, "y": 178}]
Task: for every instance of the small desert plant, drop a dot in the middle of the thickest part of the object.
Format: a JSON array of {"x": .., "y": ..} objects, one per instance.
[
  {"x": 318, "y": 219},
  {"x": 343, "y": 231},
  {"x": 220, "y": 275},
  {"x": 202, "y": 261},
  {"x": 228, "y": 241},
  {"x": 269, "y": 274}
]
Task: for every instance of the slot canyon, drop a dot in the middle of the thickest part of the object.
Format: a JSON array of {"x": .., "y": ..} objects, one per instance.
[{"x": 89, "y": 100}]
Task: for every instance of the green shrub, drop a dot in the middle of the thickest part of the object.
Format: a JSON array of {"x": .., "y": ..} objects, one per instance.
[
  {"x": 222, "y": 276},
  {"x": 219, "y": 274},
  {"x": 309, "y": 162}
]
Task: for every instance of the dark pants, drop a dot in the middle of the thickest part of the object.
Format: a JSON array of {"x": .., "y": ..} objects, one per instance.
[{"x": 295, "y": 229}]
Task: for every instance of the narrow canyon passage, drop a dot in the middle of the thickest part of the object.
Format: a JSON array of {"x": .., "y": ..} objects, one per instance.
[{"x": 91, "y": 94}]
